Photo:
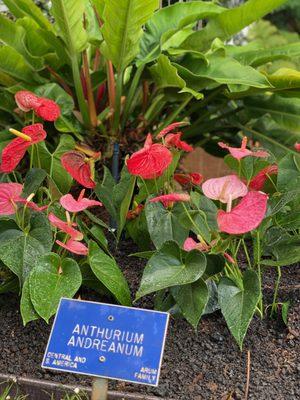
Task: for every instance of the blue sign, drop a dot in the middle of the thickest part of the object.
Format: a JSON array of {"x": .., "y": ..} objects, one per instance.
[{"x": 108, "y": 341}]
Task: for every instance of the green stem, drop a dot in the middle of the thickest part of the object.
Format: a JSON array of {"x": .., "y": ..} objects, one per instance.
[
  {"x": 79, "y": 91},
  {"x": 274, "y": 304},
  {"x": 117, "y": 111},
  {"x": 260, "y": 302},
  {"x": 171, "y": 118},
  {"x": 246, "y": 253},
  {"x": 193, "y": 223}
]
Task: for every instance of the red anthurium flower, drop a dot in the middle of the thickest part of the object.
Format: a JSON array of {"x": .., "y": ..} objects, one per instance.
[
  {"x": 27, "y": 101},
  {"x": 135, "y": 212},
  {"x": 297, "y": 146},
  {"x": 246, "y": 216},
  {"x": 174, "y": 140},
  {"x": 10, "y": 196},
  {"x": 241, "y": 152},
  {"x": 170, "y": 128},
  {"x": 74, "y": 247},
  {"x": 258, "y": 182},
  {"x": 79, "y": 167},
  {"x": 65, "y": 227},
  {"x": 224, "y": 189},
  {"x": 13, "y": 153},
  {"x": 151, "y": 161},
  {"x": 169, "y": 199},
  {"x": 82, "y": 203},
  {"x": 184, "y": 179},
  {"x": 190, "y": 244},
  {"x": 45, "y": 108}
]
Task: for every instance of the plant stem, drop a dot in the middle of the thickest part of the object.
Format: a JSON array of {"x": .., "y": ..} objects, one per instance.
[
  {"x": 246, "y": 253},
  {"x": 79, "y": 91},
  {"x": 117, "y": 113},
  {"x": 274, "y": 304},
  {"x": 90, "y": 95},
  {"x": 260, "y": 302},
  {"x": 175, "y": 113}
]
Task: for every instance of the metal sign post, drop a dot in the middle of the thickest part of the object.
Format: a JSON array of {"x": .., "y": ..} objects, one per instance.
[{"x": 100, "y": 389}]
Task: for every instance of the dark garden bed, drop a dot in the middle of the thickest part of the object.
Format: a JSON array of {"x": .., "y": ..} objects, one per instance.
[{"x": 206, "y": 364}]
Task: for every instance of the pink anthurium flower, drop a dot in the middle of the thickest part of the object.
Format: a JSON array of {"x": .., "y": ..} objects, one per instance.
[
  {"x": 194, "y": 178},
  {"x": 74, "y": 247},
  {"x": 170, "y": 128},
  {"x": 10, "y": 196},
  {"x": 297, "y": 146},
  {"x": 174, "y": 140},
  {"x": 82, "y": 203},
  {"x": 169, "y": 199},
  {"x": 80, "y": 167},
  {"x": 224, "y": 189},
  {"x": 258, "y": 182},
  {"x": 13, "y": 153},
  {"x": 246, "y": 216},
  {"x": 151, "y": 161},
  {"x": 191, "y": 244},
  {"x": 66, "y": 227},
  {"x": 241, "y": 152},
  {"x": 45, "y": 108}
]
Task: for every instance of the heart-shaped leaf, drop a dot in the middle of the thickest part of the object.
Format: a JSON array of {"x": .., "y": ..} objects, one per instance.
[
  {"x": 27, "y": 310},
  {"x": 191, "y": 299},
  {"x": 50, "y": 280},
  {"x": 171, "y": 266},
  {"x": 238, "y": 303},
  {"x": 107, "y": 271}
]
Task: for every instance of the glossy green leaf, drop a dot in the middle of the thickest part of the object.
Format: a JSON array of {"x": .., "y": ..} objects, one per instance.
[
  {"x": 104, "y": 192},
  {"x": 124, "y": 207},
  {"x": 28, "y": 312},
  {"x": 238, "y": 303},
  {"x": 288, "y": 173},
  {"x": 122, "y": 28},
  {"x": 191, "y": 299},
  {"x": 194, "y": 220},
  {"x": 285, "y": 252},
  {"x": 33, "y": 181},
  {"x": 171, "y": 266},
  {"x": 109, "y": 274},
  {"x": 163, "y": 224},
  {"x": 51, "y": 279}
]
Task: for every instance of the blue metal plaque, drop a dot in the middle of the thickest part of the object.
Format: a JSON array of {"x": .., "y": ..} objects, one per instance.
[{"x": 108, "y": 341}]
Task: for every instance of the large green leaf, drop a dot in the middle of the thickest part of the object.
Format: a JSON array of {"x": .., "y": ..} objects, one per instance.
[
  {"x": 26, "y": 307},
  {"x": 285, "y": 111},
  {"x": 33, "y": 181},
  {"x": 231, "y": 22},
  {"x": 122, "y": 29},
  {"x": 163, "y": 224},
  {"x": 68, "y": 16},
  {"x": 19, "y": 250},
  {"x": 238, "y": 303},
  {"x": 51, "y": 163},
  {"x": 166, "y": 75},
  {"x": 27, "y": 8},
  {"x": 288, "y": 173},
  {"x": 51, "y": 279},
  {"x": 166, "y": 22},
  {"x": 285, "y": 252},
  {"x": 109, "y": 274},
  {"x": 171, "y": 266},
  {"x": 191, "y": 299}
]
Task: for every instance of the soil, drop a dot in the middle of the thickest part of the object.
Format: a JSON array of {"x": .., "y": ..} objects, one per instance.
[{"x": 206, "y": 364}]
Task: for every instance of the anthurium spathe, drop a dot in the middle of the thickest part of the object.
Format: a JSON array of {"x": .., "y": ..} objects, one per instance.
[
  {"x": 82, "y": 203},
  {"x": 66, "y": 227},
  {"x": 259, "y": 180},
  {"x": 74, "y": 247},
  {"x": 169, "y": 199},
  {"x": 80, "y": 167},
  {"x": 13, "y": 153},
  {"x": 170, "y": 128},
  {"x": 45, "y": 108},
  {"x": 184, "y": 179},
  {"x": 297, "y": 146},
  {"x": 246, "y": 216},
  {"x": 241, "y": 152},
  {"x": 151, "y": 161},
  {"x": 224, "y": 189},
  {"x": 174, "y": 140},
  {"x": 10, "y": 196}
]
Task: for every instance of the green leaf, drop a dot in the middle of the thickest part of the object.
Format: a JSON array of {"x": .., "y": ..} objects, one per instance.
[
  {"x": 125, "y": 204},
  {"x": 27, "y": 8},
  {"x": 214, "y": 265},
  {"x": 194, "y": 220},
  {"x": 122, "y": 29},
  {"x": 285, "y": 252},
  {"x": 207, "y": 207},
  {"x": 68, "y": 16},
  {"x": 107, "y": 271},
  {"x": 104, "y": 192},
  {"x": 50, "y": 280},
  {"x": 285, "y": 311},
  {"x": 166, "y": 22},
  {"x": 166, "y": 75},
  {"x": 288, "y": 173},
  {"x": 238, "y": 303},
  {"x": 33, "y": 181},
  {"x": 231, "y": 22},
  {"x": 191, "y": 299},
  {"x": 163, "y": 224},
  {"x": 171, "y": 266},
  {"x": 28, "y": 312},
  {"x": 19, "y": 250},
  {"x": 283, "y": 110},
  {"x": 51, "y": 163},
  {"x": 278, "y": 203}
]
